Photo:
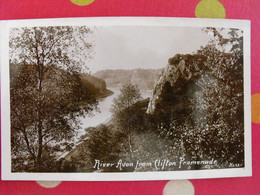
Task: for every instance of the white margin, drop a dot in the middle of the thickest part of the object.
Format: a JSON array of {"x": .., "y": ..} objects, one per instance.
[{"x": 126, "y": 176}]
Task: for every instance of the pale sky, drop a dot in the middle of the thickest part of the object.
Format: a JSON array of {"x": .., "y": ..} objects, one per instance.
[{"x": 130, "y": 47}]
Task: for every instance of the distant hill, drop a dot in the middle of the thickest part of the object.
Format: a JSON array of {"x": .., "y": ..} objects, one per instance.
[
  {"x": 95, "y": 85},
  {"x": 144, "y": 78}
]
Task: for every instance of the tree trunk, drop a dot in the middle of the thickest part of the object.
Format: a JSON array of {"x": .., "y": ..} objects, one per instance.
[
  {"x": 40, "y": 127},
  {"x": 129, "y": 140},
  {"x": 130, "y": 144},
  {"x": 39, "y": 154}
]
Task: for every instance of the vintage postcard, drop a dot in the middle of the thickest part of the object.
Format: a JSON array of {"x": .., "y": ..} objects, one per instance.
[{"x": 125, "y": 99}]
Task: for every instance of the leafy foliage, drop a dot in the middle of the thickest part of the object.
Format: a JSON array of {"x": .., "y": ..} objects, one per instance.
[
  {"x": 121, "y": 107},
  {"x": 198, "y": 114},
  {"x": 203, "y": 116},
  {"x": 47, "y": 93},
  {"x": 103, "y": 143}
]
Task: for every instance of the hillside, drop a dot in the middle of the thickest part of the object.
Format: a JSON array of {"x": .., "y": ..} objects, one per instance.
[
  {"x": 187, "y": 117},
  {"x": 198, "y": 102},
  {"x": 144, "y": 78},
  {"x": 95, "y": 85}
]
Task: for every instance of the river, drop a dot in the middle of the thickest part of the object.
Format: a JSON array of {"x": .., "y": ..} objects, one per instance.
[
  {"x": 104, "y": 113},
  {"x": 102, "y": 116}
]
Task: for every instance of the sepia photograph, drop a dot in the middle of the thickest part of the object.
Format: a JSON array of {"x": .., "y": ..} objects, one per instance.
[{"x": 128, "y": 97}]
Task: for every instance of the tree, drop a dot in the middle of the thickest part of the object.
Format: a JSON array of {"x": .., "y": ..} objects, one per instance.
[
  {"x": 47, "y": 94},
  {"x": 202, "y": 114},
  {"x": 221, "y": 131},
  {"x": 215, "y": 126},
  {"x": 129, "y": 95}
]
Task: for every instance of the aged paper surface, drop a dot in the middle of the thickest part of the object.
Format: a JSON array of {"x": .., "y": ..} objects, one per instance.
[{"x": 125, "y": 99}]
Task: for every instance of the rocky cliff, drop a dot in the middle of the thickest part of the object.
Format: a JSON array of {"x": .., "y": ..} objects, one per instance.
[{"x": 181, "y": 70}]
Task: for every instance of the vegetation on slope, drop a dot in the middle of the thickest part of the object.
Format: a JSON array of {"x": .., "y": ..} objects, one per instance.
[{"x": 197, "y": 117}]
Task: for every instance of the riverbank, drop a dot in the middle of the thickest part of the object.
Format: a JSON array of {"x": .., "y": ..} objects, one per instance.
[
  {"x": 104, "y": 95},
  {"x": 111, "y": 125}
]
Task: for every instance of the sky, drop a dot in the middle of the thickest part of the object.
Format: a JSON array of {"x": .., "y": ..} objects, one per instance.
[{"x": 130, "y": 47}]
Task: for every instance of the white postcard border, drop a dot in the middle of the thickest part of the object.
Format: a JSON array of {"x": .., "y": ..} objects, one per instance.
[{"x": 122, "y": 176}]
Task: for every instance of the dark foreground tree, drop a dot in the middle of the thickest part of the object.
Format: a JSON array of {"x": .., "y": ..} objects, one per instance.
[
  {"x": 203, "y": 116},
  {"x": 47, "y": 94},
  {"x": 219, "y": 107},
  {"x": 129, "y": 95}
]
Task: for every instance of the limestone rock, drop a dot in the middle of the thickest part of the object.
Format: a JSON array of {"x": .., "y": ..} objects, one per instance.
[{"x": 180, "y": 67}]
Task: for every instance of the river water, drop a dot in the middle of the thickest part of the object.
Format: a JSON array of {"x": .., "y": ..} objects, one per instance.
[
  {"x": 104, "y": 113},
  {"x": 102, "y": 116}
]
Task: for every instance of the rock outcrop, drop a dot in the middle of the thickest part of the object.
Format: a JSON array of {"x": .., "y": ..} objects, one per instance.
[{"x": 180, "y": 68}]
